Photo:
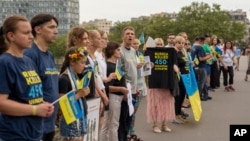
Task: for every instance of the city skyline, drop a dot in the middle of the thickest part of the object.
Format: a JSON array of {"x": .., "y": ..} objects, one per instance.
[{"x": 116, "y": 10}]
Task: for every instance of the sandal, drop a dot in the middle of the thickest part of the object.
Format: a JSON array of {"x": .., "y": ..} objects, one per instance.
[
  {"x": 165, "y": 128},
  {"x": 156, "y": 129},
  {"x": 135, "y": 138}
]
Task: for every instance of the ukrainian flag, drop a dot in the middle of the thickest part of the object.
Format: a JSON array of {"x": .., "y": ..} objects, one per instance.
[
  {"x": 118, "y": 71},
  {"x": 87, "y": 79},
  {"x": 70, "y": 107},
  {"x": 141, "y": 39},
  {"x": 192, "y": 90}
]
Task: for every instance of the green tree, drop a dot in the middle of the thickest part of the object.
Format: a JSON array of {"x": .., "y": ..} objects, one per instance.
[
  {"x": 58, "y": 48},
  {"x": 200, "y": 18}
]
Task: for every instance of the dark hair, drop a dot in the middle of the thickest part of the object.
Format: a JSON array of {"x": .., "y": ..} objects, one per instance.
[
  {"x": 111, "y": 47},
  {"x": 206, "y": 35},
  {"x": 66, "y": 61},
  {"x": 41, "y": 19},
  {"x": 74, "y": 35},
  {"x": 171, "y": 34},
  {"x": 231, "y": 48},
  {"x": 199, "y": 38},
  {"x": 9, "y": 25}
]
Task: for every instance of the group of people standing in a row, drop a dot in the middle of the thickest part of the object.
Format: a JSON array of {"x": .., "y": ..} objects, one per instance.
[{"x": 30, "y": 82}]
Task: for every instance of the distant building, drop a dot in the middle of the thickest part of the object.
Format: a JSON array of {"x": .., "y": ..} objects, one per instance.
[
  {"x": 173, "y": 16},
  {"x": 241, "y": 16},
  {"x": 101, "y": 24},
  {"x": 66, "y": 11}
]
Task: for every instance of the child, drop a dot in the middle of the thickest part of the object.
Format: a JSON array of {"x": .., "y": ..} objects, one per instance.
[{"x": 71, "y": 78}]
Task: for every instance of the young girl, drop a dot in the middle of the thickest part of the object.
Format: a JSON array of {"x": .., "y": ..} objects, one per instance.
[
  {"x": 117, "y": 91},
  {"x": 71, "y": 79},
  {"x": 22, "y": 106},
  {"x": 228, "y": 62}
]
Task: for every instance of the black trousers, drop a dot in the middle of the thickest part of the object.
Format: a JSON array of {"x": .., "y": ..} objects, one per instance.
[
  {"x": 229, "y": 72},
  {"x": 124, "y": 122},
  {"x": 180, "y": 98},
  {"x": 48, "y": 136},
  {"x": 214, "y": 77}
]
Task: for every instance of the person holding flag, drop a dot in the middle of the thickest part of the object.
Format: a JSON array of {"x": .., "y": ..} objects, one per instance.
[
  {"x": 71, "y": 78},
  {"x": 117, "y": 92}
]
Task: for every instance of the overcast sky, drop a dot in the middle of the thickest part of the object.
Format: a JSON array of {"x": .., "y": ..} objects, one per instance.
[{"x": 124, "y": 10}]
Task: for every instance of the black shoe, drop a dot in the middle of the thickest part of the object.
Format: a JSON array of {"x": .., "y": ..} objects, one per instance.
[
  {"x": 211, "y": 89},
  {"x": 183, "y": 114},
  {"x": 209, "y": 98},
  {"x": 203, "y": 99}
]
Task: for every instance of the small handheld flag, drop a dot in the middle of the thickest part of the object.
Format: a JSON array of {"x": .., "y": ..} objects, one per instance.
[
  {"x": 118, "y": 71},
  {"x": 70, "y": 107},
  {"x": 141, "y": 39},
  {"x": 87, "y": 79}
]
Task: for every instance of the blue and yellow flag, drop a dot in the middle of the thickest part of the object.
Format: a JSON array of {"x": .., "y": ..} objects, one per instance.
[
  {"x": 70, "y": 107},
  {"x": 118, "y": 71},
  {"x": 87, "y": 79},
  {"x": 192, "y": 90},
  {"x": 141, "y": 39}
]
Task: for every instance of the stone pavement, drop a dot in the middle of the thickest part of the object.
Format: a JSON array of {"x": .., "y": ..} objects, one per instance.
[{"x": 224, "y": 109}]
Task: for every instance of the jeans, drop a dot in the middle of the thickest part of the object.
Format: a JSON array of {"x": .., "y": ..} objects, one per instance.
[
  {"x": 109, "y": 131},
  {"x": 202, "y": 80}
]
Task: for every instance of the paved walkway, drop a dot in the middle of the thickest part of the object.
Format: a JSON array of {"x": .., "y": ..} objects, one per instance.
[{"x": 226, "y": 108}]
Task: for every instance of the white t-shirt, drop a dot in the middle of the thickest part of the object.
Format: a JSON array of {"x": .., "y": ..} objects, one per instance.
[
  {"x": 227, "y": 57},
  {"x": 101, "y": 64}
]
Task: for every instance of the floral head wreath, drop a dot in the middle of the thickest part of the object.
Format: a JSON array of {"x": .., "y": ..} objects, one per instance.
[{"x": 80, "y": 53}]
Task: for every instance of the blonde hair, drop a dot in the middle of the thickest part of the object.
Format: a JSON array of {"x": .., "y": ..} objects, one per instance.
[
  {"x": 159, "y": 40},
  {"x": 179, "y": 39}
]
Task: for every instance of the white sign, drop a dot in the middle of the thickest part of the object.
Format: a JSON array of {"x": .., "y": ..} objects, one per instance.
[{"x": 92, "y": 120}]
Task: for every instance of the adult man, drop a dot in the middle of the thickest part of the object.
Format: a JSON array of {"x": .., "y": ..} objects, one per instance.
[
  {"x": 129, "y": 65},
  {"x": 199, "y": 57},
  {"x": 44, "y": 30},
  {"x": 170, "y": 40},
  {"x": 209, "y": 62}
]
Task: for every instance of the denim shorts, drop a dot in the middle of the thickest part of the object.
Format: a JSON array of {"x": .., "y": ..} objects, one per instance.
[
  {"x": 72, "y": 130},
  {"x": 208, "y": 69}
]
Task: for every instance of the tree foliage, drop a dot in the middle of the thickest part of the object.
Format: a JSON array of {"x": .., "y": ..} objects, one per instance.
[
  {"x": 195, "y": 19},
  {"x": 58, "y": 48}
]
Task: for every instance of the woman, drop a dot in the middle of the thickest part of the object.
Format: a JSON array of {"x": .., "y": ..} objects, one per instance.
[
  {"x": 77, "y": 37},
  {"x": 214, "y": 77},
  {"x": 228, "y": 62},
  {"x": 159, "y": 42},
  {"x": 117, "y": 92},
  {"x": 160, "y": 107},
  {"x": 21, "y": 98},
  {"x": 72, "y": 79},
  {"x": 183, "y": 65}
]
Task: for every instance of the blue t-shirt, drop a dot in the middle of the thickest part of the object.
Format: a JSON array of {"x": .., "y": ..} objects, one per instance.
[
  {"x": 196, "y": 52},
  {"x": 21, "y": 83},
  {"x": 48, "y": 73}
]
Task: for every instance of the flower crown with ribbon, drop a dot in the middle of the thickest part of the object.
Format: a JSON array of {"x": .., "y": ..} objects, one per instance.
[{"x": 80, "y": 53}]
